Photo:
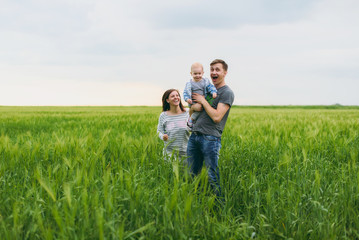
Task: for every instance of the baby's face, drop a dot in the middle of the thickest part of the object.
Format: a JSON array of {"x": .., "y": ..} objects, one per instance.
[{"x": 197, "y": 73}]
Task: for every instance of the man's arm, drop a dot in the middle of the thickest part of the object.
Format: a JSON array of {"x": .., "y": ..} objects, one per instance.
[{"x": 215, "y": 114}]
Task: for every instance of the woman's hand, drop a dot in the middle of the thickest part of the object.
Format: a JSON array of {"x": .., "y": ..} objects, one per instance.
[{"x": 165, "y": 137}]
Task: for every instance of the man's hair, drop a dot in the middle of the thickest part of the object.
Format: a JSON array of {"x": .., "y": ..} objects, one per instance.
[{"x": 224, "y": 64}]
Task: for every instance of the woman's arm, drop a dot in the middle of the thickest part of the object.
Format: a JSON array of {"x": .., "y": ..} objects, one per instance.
[{"x": 161, "y": 131}]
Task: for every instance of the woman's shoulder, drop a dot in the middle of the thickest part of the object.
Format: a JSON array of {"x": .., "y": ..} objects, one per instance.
[
  {"x": 186, "y": 112},
  {"x": 163, "y": 115}
]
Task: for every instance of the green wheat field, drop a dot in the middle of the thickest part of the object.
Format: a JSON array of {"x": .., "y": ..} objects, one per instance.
[{"x": 98, "y": 173}]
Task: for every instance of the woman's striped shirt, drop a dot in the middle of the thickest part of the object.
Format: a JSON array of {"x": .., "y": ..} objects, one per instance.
[{"x": 175, "y": 126}]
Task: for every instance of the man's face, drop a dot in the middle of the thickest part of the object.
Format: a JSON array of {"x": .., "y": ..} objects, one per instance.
[
  {"x": 217, "y": 74},
  {"x": 197, "y": 73}
]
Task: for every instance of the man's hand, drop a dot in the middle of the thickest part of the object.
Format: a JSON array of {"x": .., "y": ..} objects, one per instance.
[
  {"x": 165, "y": 137},
  {"x": 198, "y": 98},
  {"x": 189, "y": 101},
  {"x": 214, "y": 95}
]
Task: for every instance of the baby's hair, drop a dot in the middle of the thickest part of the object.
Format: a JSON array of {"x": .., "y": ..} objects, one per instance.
[{"x": 196, "y": 64}]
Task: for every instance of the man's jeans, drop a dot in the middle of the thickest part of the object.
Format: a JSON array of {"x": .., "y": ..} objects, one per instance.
[{"x": 205, "y": 148}]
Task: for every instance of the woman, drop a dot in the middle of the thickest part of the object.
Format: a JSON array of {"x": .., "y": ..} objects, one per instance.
[{"x": 172, "y": 124}]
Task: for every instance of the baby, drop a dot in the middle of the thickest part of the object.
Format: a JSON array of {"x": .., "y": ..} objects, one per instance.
[{"x": 198, "y": 84}]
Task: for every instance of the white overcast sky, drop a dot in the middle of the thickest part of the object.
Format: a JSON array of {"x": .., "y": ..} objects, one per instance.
[{"x": 128, "y": 52}]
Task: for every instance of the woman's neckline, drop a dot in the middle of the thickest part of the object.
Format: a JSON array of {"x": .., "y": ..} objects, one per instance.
[{"x": 171, "y": 114}]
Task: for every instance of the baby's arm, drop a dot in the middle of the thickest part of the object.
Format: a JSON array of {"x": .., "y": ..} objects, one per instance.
[
  {"x": 187, "y": 93},
  {"x": 211, "y": 89}
]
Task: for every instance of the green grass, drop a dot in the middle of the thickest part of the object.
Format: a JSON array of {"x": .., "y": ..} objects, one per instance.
[{"x": 98, "y": 173}]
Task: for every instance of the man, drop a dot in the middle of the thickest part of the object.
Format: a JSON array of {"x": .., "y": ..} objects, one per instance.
[{"x": 205, "y": 141}]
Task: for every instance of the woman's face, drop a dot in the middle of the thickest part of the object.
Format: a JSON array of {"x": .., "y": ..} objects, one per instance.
[{"x": 174, "y": 99}]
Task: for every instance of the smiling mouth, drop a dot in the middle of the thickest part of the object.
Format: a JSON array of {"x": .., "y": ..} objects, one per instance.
[{"x": 214, "y": 77}]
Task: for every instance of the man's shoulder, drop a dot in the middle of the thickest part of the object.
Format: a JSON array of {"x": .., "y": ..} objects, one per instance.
[
  {"x": 226, "y": 95},
  {"x": 226, "y": 90}
]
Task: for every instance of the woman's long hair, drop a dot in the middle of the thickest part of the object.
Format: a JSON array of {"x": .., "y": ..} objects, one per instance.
[{"x": 165, "y": 104}]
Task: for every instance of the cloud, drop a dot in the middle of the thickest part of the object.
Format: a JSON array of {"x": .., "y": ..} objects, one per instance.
[
  {"x": 229, "y": 14},
  {"x": 69, "y": 93},
  {"x": 54, "y": 18},
  {"x": 277, "y": 51}
]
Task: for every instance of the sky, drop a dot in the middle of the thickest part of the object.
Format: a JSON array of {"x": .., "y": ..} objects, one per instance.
[{"x": 128, "y": 52}]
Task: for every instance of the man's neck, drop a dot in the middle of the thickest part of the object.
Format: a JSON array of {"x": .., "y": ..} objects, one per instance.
[{"x": 222, "y": 84}]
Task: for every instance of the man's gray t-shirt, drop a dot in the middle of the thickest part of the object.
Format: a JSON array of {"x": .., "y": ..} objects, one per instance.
[{"x": 204, "y": 124}]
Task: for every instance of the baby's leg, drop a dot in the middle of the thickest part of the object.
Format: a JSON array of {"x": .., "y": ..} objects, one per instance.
[
  {"x": 191, "y": 111},
  {"x": 194, "y": 116},
  {"x": 196, "y": 108},
  {"x": 194, "y": 112}
]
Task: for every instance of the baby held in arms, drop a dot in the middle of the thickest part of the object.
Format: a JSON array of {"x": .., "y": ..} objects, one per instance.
[{"x": 197, "y": 84}]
